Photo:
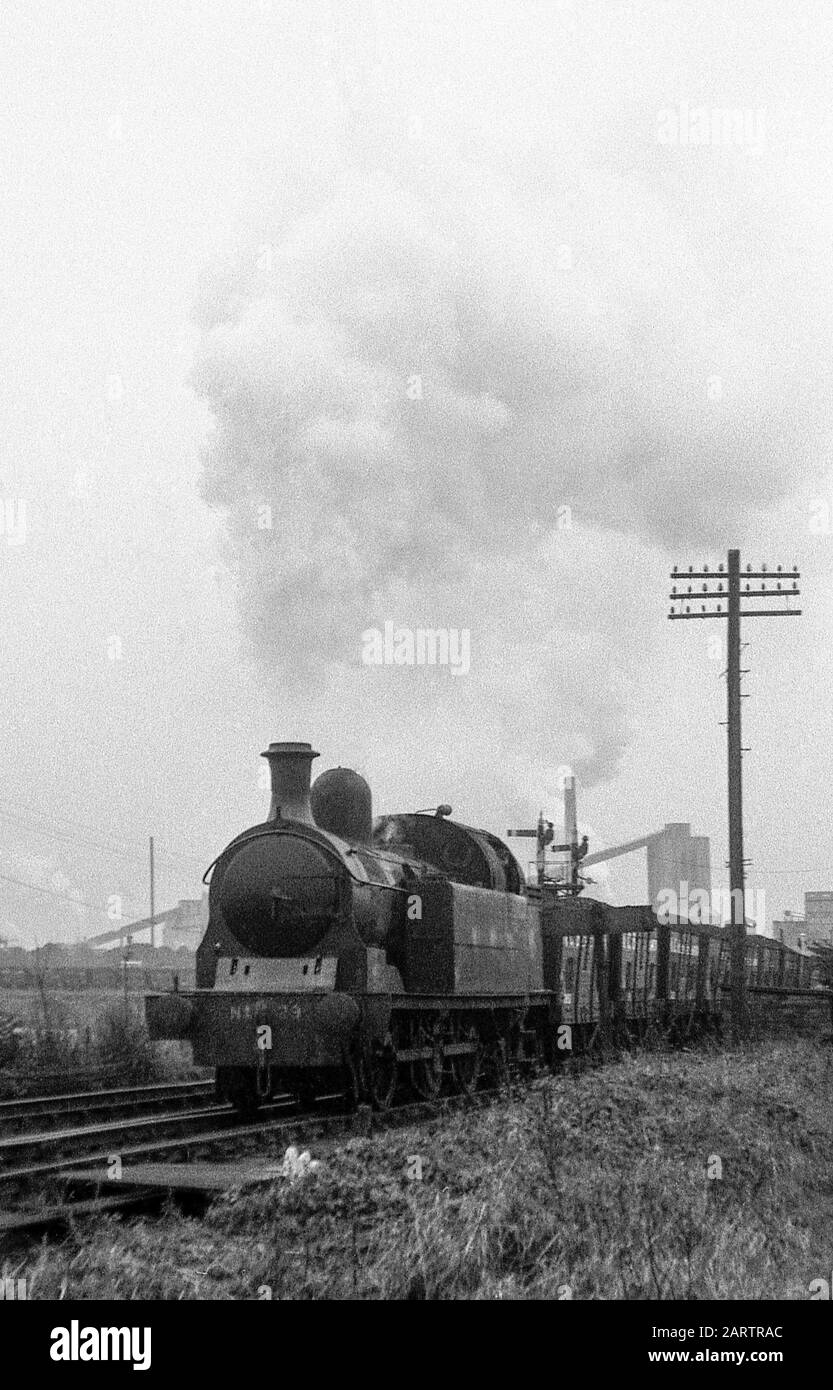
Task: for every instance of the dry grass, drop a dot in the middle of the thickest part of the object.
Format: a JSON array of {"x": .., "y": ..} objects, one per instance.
[
  {"x": 65, "y": 1008},
  {"x": 589, "y": 1186},
  {"x": 68, "y": 1033}
]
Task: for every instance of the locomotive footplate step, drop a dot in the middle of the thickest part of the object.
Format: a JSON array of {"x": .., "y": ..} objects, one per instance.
[{"x": 178, "y": 1177}]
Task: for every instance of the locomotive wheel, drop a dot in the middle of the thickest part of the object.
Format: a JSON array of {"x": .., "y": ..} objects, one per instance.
[
  {"x": 495, "y": 1063},
  {"x": 351, "y": 1076},
  {"x": 427, "y": 1072},
  {"x": 307, "y": 1093},
  {"x": 465, "y": 1066},
  {"x": 382, "y": 1074},
  {"x": 238, "y": 1086}
]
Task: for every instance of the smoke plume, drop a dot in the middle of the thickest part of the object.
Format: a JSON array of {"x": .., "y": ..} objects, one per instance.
[{"x": 460, "y": 378}]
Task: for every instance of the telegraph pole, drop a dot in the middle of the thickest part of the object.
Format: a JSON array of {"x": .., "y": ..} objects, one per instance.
[
  {"x": 727, "y": 596},
  {"x": 152, "y": 903},
  {"x": 737, "y": 877}
]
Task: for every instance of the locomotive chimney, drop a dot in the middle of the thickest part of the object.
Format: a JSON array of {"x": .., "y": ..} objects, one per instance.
[{"x": 289, "y": 768}]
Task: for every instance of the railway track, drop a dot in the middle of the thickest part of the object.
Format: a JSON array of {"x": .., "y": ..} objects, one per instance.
[
  {"x": 48, "y": 1112},
  {"x": 37, "y": 1154},
  {"x": 283, "y": 1121},
  {"x": 44, "y": 1136},
  {"x": 20, "y": 1221}
]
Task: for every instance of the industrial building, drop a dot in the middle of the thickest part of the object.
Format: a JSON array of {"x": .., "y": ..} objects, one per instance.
[
  {"x": 177, "y": 928},
  {"x": 676, "y": 862},
  {"x": 813, "y": 928}
]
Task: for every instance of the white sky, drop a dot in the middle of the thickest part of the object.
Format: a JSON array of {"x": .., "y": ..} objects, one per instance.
[{"x": 148, "y": 150}]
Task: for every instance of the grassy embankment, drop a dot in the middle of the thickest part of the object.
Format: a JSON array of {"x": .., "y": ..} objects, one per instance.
[
  {"x": 69, "y": 1033},
  {"x": 593, "y": 1185}
]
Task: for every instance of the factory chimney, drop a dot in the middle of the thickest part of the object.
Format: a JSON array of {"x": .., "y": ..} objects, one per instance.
[{"x": 289, "y": 768}]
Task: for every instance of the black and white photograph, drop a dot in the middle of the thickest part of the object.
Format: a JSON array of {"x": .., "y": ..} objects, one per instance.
[{"x": 416, "y": 846}]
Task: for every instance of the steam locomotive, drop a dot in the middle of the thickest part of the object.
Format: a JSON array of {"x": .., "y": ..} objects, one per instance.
[{"x": 367, "y": 957}]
